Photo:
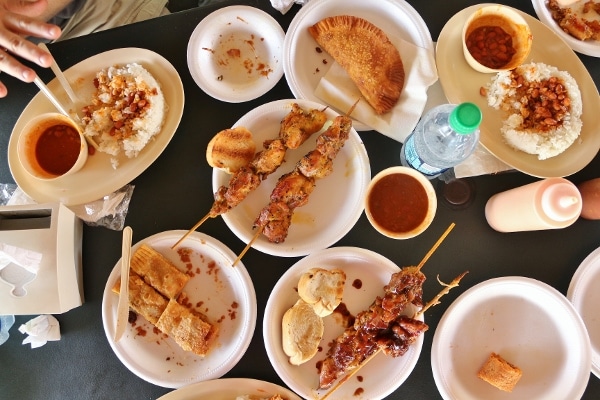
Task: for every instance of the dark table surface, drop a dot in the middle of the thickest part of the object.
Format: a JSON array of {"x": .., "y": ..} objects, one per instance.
[{"x": 176, "y": 190}]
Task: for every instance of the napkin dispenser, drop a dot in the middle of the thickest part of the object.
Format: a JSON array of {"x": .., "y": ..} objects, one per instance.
[{"x": 53, "y": 232}]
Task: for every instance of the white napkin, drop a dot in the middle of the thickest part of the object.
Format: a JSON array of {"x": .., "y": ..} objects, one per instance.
[
  {"x": 41, "y": 329},
  {"x": 28, "y": 259},
  {"x": 337, "y": 89},
  {"x": 284, "y": 6}
]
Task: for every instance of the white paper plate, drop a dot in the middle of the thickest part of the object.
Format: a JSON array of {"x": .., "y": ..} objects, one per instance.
[
  {"x": 234, "y": 54},
  {"x": 527, "y": 322},
  {"x": 334, "y": 206},
  {"x": 588, "y": 47},
  {"x": 97, "y": 178},
  {"x": 584, "y": 293},
  {"x": 222, "y": 292},
  {"x": 304, "y": 66},
  {"x": 546, "y": 48},
  {"x": 366, "y": 274},
  {"x": 228, "y": 389}
]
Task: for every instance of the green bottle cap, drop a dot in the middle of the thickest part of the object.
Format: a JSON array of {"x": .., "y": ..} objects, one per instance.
[{"x": 465, "y": 118}]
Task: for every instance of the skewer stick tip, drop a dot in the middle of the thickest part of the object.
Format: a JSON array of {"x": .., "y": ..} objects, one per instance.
[{"x": 192, "y": 229}]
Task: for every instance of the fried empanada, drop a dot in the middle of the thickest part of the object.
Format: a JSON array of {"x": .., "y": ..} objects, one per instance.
[{"x": 366, "y": 53}]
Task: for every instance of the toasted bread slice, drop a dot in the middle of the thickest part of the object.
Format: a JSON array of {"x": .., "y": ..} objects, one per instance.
[
  {"x": 366, "y": 54},
  {"x": 302, "y": 331},
  {"x": 158, "y": 271},
  {"x": 143, "y": 299},
  {"x": 190, "y": 330},
  {"x": 322, "y": 289},
  {"x": 231, "y": 149}
]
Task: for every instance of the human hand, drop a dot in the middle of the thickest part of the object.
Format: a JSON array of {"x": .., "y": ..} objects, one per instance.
[{"x": 14, "y": 27}]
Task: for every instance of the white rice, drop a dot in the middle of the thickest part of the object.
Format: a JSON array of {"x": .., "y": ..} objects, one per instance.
[
  {"x": 106, "y": 108},
  {"x": 501, "y": 95}
]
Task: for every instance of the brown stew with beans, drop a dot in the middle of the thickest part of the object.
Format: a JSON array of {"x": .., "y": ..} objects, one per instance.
[
  {"x": 491, "y": 46},
  {"x": 57, "y": 149}
]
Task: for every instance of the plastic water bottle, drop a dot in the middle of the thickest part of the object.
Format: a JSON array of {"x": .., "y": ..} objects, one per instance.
[
  {"x": 6, "y": 321},
  {"x": 444, "y": 137}
]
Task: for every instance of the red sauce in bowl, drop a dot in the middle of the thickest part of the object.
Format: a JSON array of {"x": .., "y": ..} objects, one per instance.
[
  {"x": 57, "y": 149},
  {"x": 398, "y": 203}
]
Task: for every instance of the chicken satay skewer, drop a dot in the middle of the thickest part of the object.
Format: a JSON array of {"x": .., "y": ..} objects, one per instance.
[
  {"x": 295, "y": 128},
  {"x": 433, "y": 302}
]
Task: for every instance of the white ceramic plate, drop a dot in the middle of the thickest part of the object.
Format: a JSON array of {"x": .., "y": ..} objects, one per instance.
[
  {"x": 97, "y": 178},
  {"x": 584, "y": 293},
  {"x": 461, "y": 83},
  {"x": 366, "y": 274},
  {"x": 334, "y": 206},
  {"x": 588, "y": 47},
  {"x": 228, "y": 389},
  {"x": 527, "y": 322},
  {"x": 304, "y": 66},
  {"x": 222, "y": 292},
  {"x": 234, "y": 54}
]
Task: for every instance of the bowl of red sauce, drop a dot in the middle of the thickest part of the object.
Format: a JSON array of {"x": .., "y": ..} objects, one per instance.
[
  {"x": 51, "y": 146},
  {"x": 400, "y": 203},
  {"x": 496, "y": 38}
]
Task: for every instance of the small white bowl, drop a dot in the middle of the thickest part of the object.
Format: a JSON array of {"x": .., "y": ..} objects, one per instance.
[
  {"x": 511, "y": 22},
  {"x": 54, "y": 160},
  {"x": 400, "y": 203}
]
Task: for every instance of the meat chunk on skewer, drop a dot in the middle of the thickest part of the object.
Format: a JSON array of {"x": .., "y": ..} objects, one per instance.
[
  {"x": 268, "y": 160},
  {"x": 275, "y": 219},
  {"x": 315, "y": 165},
  {"x": 293, "y": 189},
  {"x": 241, "y": 184},
  {"x": 298, "y": 125}
]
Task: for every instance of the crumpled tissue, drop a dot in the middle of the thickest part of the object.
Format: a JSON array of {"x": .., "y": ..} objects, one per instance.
[
  {"x": 41, "y": 329},
  {"x": 284, "y": 6},
  {"x": 28, "y": 259},
  {"x": 337, "y": 89}
]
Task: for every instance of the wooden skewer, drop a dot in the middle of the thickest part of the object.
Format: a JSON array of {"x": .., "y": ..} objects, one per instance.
[
  {"x": 435, "y": 246},
  {"x": 433, "y": 302},
  {"x": 188, "y": 233},
  {"x": 256, "y": 235}
]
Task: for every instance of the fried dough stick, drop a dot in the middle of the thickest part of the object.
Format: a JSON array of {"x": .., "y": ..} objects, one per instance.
[
  {"x": 293, "y": 189},
  {"x": 295, "y": 128}
]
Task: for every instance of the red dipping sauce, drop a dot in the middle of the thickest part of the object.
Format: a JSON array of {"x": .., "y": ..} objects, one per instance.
[
  {"x": 398, "y": 203},
  {"x": 401, "y": 202},
  {"x": 57, "y": 149}
]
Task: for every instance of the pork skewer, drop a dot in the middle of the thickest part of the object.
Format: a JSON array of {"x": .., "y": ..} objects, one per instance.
[
  {"x": 295, "y": 128},
  {"x": 436, "y": 300},
  {"x": 381, "y": 327}
]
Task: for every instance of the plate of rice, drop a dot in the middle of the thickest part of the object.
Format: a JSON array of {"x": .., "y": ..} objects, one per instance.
[
  {"x": 146, "y": 114},
  {"x": 558, "y": 154}
]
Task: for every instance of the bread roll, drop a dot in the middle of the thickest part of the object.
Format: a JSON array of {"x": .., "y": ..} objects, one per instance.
[
  {"x": 322, "y": 289},
  {"x": 302, "y": 331},
  {"x": 231, "y": 149}
]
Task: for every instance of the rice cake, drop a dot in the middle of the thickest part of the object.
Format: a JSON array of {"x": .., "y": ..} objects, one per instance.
[
  {"x": 158, "y": 271},
  {"x": 143, "y": 299},
  {"x": 189, "y": 330},
  {"x": 366, "y": 54}
]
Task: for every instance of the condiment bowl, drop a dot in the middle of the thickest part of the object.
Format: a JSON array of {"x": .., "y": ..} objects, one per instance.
[
  {"x": 481, "y": 39},
  {"x": 401, "y": 202},
  {"x": 51, "y": 146}
]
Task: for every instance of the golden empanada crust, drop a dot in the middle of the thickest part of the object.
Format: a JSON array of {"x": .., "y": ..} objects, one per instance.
[{"x": 366, "y": 53}]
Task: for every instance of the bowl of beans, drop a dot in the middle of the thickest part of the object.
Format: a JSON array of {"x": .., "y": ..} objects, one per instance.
[
  {"x": 496, "y": 38},
  {"x": 51, "y": 146}
]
